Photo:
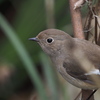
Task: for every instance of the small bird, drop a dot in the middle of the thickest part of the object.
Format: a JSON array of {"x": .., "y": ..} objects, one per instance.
[{"x": 77, "y": 60}]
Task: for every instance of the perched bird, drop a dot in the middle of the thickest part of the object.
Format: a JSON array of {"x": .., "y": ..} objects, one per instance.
[{"x": 77, "y": 60}]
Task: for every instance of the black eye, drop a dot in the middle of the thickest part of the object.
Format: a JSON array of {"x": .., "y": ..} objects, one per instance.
[{"x": 49, "y": 40}]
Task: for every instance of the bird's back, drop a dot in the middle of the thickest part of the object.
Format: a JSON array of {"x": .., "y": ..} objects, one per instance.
[{"x": 89, "y": 50}]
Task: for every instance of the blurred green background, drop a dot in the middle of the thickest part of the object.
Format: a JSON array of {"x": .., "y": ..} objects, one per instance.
[
  {"x": 26, "y": 73},
  {"x": 24, "y": 68}
]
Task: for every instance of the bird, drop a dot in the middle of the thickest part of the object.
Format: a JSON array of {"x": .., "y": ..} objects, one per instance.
[{"x": 77, "y": 60}]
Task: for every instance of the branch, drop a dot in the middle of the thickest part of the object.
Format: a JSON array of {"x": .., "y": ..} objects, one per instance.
[
  {"x": 76, "y": 20},
  {"x": 78, "y": 32}
]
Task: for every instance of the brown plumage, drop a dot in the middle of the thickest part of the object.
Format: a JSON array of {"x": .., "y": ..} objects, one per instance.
[{"x": 78, "y": 61}]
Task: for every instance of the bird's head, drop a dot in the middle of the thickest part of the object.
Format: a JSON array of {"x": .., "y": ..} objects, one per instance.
[{"x": 52, "y": 41}]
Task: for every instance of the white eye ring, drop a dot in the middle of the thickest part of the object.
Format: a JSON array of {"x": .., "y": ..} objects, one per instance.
[{"x": 49, "y": 40}]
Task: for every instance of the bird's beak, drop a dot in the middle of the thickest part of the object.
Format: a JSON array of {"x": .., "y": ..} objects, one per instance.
[{"x": 34, "y": 39}]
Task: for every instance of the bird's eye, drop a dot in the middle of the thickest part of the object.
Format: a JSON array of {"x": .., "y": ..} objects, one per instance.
[{"x": 50, "y": 40}]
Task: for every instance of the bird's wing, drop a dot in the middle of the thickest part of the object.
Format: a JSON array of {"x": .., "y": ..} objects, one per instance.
[{"x": 75, "y": 70}]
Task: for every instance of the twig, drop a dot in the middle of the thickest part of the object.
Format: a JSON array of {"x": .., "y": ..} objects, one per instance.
[
  {"x": 91, "y": 95},
  {"x": 88, "y": 22},
  {"x": 96, "y": 30},
  {"x": 86, "y": 94},
  {"x": 78, "y": 96}
]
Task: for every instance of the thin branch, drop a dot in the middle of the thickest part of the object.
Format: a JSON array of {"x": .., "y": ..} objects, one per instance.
[
  {"x": 87, "y": 24},
  {"x": 86, "y": 95}
]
